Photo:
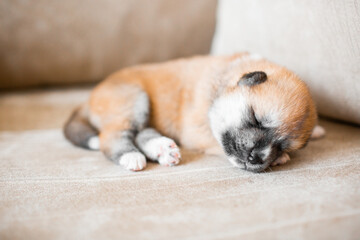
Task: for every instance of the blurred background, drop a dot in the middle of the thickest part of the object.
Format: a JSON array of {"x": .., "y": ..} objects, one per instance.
[{"x": 63, "y": 42}]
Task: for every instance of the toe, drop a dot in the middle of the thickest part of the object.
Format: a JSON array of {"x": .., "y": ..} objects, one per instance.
[
  {"x": 133, "y": 161},
  {"x": 175, "y": 155}
]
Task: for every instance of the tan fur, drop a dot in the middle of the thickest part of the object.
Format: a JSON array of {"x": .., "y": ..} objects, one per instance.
[{"x": 182, "y": 91}]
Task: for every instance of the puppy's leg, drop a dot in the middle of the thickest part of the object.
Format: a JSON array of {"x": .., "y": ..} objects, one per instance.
[
  {"x": 120, "y": 110},
  {"x": 158, "y": 148},
  {"x": 118, "y": 146},
  {"x": 284, "y": 158}
]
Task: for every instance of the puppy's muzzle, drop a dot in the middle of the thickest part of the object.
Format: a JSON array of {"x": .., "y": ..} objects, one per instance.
[
  {"x": 255, "y": 159},
  {"x": 258, "y": 160}
]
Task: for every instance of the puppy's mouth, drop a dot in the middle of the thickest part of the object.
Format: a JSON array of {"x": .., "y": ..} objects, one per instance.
[
  {"x": 251, "y": 149},
  {"x": 245, "y": 165},
  {"x": 256, "y": 168}
]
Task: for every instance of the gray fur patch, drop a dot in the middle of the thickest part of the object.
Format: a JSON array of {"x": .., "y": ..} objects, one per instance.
[
  {"x": 141, "y": 111},
  {"x": 121, "y": 143},
  {"x": 146, "y": 135},
  {"x": 78, "y": 130}
]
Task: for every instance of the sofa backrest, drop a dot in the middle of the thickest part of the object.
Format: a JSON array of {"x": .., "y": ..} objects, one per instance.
[{"x": 59, "y": 42}]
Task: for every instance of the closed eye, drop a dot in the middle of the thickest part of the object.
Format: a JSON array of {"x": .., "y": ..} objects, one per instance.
[{"x": 254, "y": 120}]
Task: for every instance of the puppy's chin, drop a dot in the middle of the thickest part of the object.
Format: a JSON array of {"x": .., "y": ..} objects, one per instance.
[
  {"x": 236, "y": 162},
  {"x": 248, "y": 166},
  {"x": 256, "y": 168}
]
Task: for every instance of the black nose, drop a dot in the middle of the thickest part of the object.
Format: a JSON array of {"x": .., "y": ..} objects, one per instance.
[{"x": 255, "y": 158}]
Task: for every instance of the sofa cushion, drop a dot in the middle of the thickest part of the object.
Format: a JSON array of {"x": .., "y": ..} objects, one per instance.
[
  {"x": 52, "y": 190},
  {"x": 319, "y": 40},
  {"x": 59, "y": 42}
]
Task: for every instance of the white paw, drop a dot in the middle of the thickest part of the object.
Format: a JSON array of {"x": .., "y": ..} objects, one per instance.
[
  {"x": 318, "y": 132},
  {"x": 284, "y": 158},
  {"x": 164, "y": 150},
  {"x": 94, "y": 143},
  {"x": 133, "y": 161}
]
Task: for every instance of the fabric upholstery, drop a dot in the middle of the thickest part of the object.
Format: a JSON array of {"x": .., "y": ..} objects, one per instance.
[
  {"x": 50, "y": 189},
  {"x": 59, "y": 42},
  {"x": 319, "y": 40}
]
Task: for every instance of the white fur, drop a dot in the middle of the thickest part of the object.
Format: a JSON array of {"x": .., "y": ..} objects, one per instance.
[
  {"x": 235, "y": 163},
  {"x": 272, "y": 119},
  {"x": 266, "y": 152},
  {"x": 164, "y": 150},
  {"x": 133, "y": 161},
  {"x": 94, "y": 143},
  {"x": 284, "y": 158},
  {"x": 318, "y": 132},
  {"x": 226, "y": 112}
]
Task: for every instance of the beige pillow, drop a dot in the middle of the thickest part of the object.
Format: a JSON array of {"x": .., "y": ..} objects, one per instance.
[
  {"x": 70, "y": 41},
  {"x": 319, "y": 40}
]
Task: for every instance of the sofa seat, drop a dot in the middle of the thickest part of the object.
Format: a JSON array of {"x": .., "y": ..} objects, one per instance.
[{"x": 50, "y": 189}]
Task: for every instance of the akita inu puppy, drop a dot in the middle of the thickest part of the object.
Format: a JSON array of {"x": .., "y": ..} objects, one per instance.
[{"x": 253, "y": 111}]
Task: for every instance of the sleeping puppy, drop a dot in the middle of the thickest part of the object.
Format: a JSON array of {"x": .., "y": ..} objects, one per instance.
[{"x": 250, "y": 110}]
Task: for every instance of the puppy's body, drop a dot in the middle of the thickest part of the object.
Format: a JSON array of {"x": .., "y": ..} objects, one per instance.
[{"x": 202, "y": 103}]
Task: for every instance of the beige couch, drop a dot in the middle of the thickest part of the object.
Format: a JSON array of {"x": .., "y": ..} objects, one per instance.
[
  {"x": 62, "y": 42},
  {"x": 52, "y": 190}
]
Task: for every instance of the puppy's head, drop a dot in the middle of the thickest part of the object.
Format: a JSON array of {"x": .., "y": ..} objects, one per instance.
[{"x": 261, "y": 113}]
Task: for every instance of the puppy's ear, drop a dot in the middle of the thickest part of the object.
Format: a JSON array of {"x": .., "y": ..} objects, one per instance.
[
  {"x": 318, "y": 132},
  {"x": 253, "y": 78}
]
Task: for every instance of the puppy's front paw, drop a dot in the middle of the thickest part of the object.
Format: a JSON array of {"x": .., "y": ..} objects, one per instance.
[
  {"x": 133, "y": 161},
  {"x": 164, "y": 150},
  {"x": 284, "y": 158},
  {"x": 318, "y": 132}
]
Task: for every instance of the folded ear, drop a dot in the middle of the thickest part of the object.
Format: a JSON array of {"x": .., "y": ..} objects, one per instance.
[
  {"x": 318, "y": 132},
  {"x": 253, "y": 78}
]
